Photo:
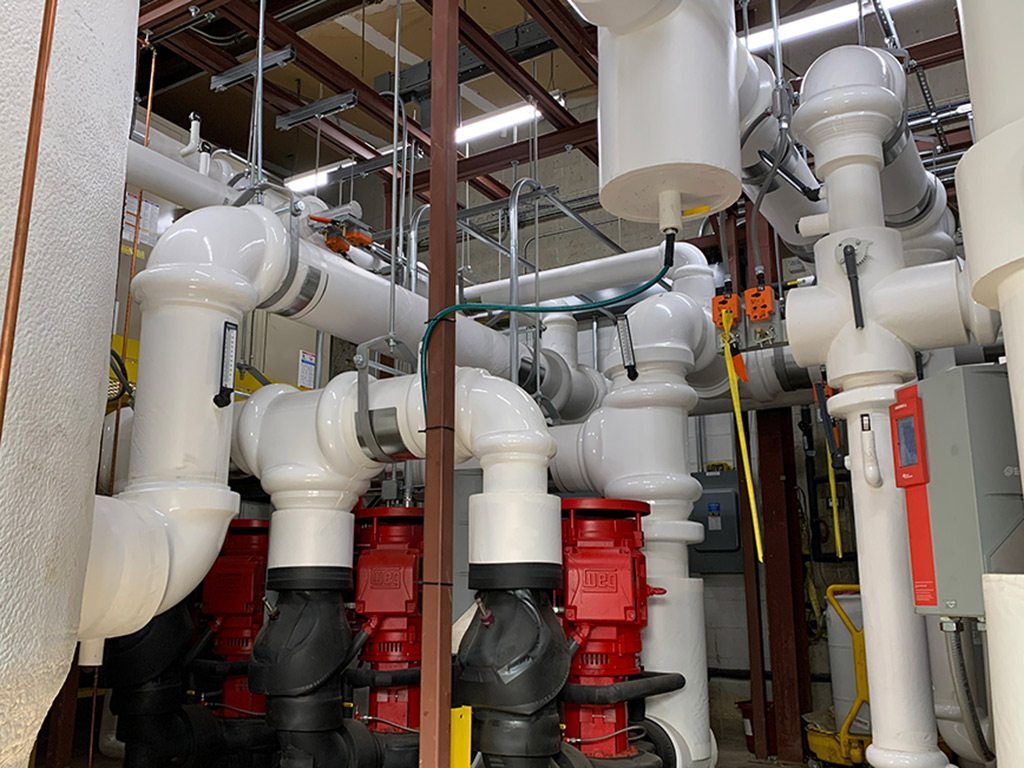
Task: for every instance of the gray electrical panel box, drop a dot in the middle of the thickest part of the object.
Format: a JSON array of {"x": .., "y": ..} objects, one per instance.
[
  {"x": 956, "y": 456},
  {"x": 718, "y": 510}
]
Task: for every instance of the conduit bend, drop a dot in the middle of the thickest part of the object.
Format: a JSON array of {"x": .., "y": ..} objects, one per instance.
[
  {"x": 314, "y": 483},
  {"x": 635, "y": 447},
  {"x": 155, "y": 541}
]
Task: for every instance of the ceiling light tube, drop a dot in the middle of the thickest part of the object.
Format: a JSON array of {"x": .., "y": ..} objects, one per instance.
[
  {"x": 813, "y": 23},
  {"x": 315, "y": 179},
  {"x": 496, "y": 122}
]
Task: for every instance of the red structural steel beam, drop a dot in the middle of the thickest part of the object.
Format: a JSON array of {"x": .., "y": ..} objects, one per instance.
[
  {"x": 159, "y": 11},
  {"x": 498, "y": 60},
  {"x": 322, "y": 67},
  {"x": 755, "y": 628},
  {"x": 938, "y": 50},
  {"x": 436, "y": 677},
  {"x": 784, "y": 581},
  {"x": 548, "y": 144},
  {"x": 575, "y": 40}
]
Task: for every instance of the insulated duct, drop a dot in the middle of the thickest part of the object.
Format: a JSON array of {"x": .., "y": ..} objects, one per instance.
[{"x": 48, "y": 456}]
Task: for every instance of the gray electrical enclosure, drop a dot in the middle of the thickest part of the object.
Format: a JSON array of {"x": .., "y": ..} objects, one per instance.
[
  {"x": 718, "y": 510},
  {"x": 974, "y": 502}
]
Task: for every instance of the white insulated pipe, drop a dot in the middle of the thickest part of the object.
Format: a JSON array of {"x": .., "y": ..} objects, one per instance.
[
  {"x": 333, "y": 295},
  {"x": 903, "y": 728},
  {"x": 782, "y": 206},
  {"x": 173, "y": 180},
  {"x": 305, "y": 449},
  {"x": 851, "y": 102},
  {"x": 53, "y": 418},
  {"x": 1004, "y": 617},
  {"x": 154, "y": 542},
  {"x": 614, "y": 271},
  {"x": 634, "y": 447}
]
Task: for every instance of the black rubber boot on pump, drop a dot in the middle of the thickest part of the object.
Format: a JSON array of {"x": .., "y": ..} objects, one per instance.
[
  {"x": 511, "y": 664},
  {"x": 145, "y": 672},
  {"x": 297, "y": 663}
]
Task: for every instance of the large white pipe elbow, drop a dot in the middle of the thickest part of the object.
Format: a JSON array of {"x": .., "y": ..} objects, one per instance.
[
  {"x": 622, "y": 17},
  {"x": 310, "y": 457},
  {"x": 782, "y": 205},
  {"x": 156, "y": 541}
]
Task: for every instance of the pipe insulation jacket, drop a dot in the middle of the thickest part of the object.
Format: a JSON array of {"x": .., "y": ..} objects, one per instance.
[
  {"x": 1004, "y": 615},
  {"x": 783, "y": 206},
  {"x": 635, "y": 447},
  {"x": 154, "y": 542},
  {"x": 52, "y": 426},
  {"x": 594, "y": 275},
  {"x": 304, "y": 447},
  {"x": 664, "y": 158}
]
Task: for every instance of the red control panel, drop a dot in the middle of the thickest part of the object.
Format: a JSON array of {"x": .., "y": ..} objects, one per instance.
[
  {"x": 910, "y": 454},
  {"x": 389, "y": 568},
  {"x": 604, "y": 598}
]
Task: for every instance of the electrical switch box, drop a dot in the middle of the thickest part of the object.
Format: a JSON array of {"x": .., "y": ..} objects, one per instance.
[
  {"x": 956, "y": 456},
  {"x": 718, "y": 510}
]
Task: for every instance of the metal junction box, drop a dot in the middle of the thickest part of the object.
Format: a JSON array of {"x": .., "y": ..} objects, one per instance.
[
  {"x": 718, "y": 510},
  {"x": 956, "y": 456}
]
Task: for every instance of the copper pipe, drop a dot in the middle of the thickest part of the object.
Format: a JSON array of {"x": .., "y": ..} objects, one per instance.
[
  {"x": 28, "y": 187},
  {"x": 436, "y": 677},
  {"x": 131, "y": 272}
]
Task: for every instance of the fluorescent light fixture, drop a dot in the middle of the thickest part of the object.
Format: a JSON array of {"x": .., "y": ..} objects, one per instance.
[
  {"x": 316, "y": 179},
  {"x": 813, "y": 23},
  {"x": 495, "y": 122}
]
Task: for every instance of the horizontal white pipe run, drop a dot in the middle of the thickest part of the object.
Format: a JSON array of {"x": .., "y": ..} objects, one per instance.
[
  {"x": 608, "y": 272},
  {"x": 173, "y": 180},
  {"x": 333, "y": 295}
]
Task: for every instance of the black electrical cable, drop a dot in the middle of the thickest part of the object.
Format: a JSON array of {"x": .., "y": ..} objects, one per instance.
[
  {"x": 811, "y": 193},
  {"x": 640, "y": 687},
  {"x": 965, "y": 696},
  {"x": 850, "y": 259}
]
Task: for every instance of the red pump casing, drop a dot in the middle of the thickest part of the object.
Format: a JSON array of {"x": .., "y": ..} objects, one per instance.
[
  {"x": 233, "y": 593},
  {"x": 389, "y": 569},
  {"x": 604, "y": 597}
]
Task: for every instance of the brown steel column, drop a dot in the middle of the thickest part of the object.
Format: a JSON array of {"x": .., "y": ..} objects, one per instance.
[
  {"x": 784, "y": 580},
  {"x": 435, "y": 703},
  {"x": 755, "y": 636}
]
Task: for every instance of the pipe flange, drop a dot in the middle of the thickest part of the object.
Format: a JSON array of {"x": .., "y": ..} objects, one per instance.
[{"x": 859, "y": 245}]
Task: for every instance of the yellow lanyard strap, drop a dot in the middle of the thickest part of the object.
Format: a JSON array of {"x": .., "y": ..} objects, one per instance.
[{"x": 735, "y": 390}]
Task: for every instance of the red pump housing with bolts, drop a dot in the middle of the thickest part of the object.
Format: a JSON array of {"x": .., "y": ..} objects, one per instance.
[
  {"x": 604, "y": 601},
  {"x": 233, "y": 594},
  {"x": 389, "y": 569}
]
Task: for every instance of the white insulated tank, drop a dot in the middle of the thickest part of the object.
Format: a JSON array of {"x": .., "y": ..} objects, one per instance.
[
  {"x": 60, "y": 364},
  {"x": 668, "y": 118}
]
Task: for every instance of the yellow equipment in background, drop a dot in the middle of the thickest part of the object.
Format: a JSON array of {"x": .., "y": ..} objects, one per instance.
[{"x": 844, "y": 748}]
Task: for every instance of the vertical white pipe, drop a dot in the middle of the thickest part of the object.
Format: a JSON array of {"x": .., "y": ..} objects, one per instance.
[
  {"x": 1004, "y": 614},
  {"x": 178, "y": 433},
  {"x": 902, "y": 710}
]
